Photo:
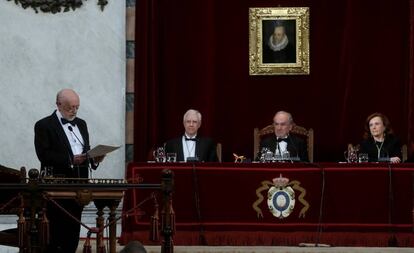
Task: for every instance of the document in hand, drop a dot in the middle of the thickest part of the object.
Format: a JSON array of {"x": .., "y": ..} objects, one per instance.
[{"x": 101, "y": 150}]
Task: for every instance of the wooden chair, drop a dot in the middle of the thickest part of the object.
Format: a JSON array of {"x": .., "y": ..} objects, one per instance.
[
  {"x": 404, "y": 152},
  {"x": 219, "y": 153},
  {"x": 307, "y": 134}
]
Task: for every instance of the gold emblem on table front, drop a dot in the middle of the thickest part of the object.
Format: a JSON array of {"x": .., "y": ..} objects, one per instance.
[{"x": 281, "y": 197}]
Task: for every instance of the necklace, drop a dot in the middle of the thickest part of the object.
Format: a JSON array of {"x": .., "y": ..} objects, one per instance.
[{"x": 379, "y": 148}]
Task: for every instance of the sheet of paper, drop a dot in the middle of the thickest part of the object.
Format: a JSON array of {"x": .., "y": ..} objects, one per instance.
[{"x": 101, "y": 150}]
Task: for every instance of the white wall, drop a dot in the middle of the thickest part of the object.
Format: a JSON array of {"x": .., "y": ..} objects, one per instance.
[{"x": 43, "y": 53}]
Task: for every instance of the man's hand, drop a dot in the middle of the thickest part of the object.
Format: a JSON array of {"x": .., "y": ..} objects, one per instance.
[
  {"x": 79, "y": 159},
  {"x": 98, "y": 159}
]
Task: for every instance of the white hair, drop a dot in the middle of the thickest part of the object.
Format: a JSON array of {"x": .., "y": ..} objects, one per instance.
[
  {"x": 192, "y": 111},
  {"x": 290, "y": 118}
]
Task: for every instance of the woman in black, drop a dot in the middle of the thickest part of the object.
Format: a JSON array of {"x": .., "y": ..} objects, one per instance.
[{"x": 379, "y": 142}]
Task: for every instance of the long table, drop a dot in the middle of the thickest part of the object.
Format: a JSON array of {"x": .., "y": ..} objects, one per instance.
[{"x": 367, "y": 204}]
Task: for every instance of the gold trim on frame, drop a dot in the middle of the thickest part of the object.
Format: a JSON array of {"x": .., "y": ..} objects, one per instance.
[{"x": 261, "y": 22}]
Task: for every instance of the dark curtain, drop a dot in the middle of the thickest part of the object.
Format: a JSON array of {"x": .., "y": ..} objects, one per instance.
[{"x": 194, "y": 54}]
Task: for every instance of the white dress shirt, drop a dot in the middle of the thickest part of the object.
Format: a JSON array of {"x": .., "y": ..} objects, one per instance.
[
  {"x": 282, "y": 145},
  {"x": 188, "y": 147},
  {"x": 74, "y": 137}
]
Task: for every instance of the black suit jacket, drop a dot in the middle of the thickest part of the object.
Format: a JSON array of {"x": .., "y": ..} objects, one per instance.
[
  {"x": 390, "y": 148},
  {"x": 295, "y": 145},
  {"x": 53, "y": 147},
  {"x": 205, "y": 149}
]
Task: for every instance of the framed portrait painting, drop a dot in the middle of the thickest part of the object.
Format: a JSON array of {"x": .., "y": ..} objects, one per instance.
[{"x": 279, "y": 41}]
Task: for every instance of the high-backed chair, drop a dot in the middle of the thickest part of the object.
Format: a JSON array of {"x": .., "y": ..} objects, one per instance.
[
  {"x": 404, "y": 153},
  {"x": 219, "y": 153},
  {"x": 306, "y": 134}
]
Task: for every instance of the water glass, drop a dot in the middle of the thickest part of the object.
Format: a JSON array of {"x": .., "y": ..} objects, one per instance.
[
  {"x": 351, "y": 156},
  {"x": 268, "y": 156},
  {"x": 278, "y": 156},
  {"x": 262, "y": 154},
  {"x": 362, "y": 157},
  {"x": 46, "y": 171},
  {"x": 285, "y": 155},
  {"x": 159, "y": 155},
  {"x": 171, "y": 157}
]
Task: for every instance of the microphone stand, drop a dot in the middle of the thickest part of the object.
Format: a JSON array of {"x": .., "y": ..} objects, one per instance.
[
  {"x": 321, "y": 207},
  {"x": 319, "y": 229},
  {"x": 202, "y": 238},
  {"x": 84, "y": 147},
  {"x": 392, "y": 241},
  {"x": 278, "y": 147}
]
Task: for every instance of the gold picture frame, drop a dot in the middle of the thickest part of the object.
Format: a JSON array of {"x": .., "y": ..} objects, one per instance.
[{"x": 279, "y": 41}]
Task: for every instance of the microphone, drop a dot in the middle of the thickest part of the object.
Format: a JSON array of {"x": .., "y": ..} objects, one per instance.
[
  {"x": 202, "y": 238},
  {"x": 194, "y": 158},
  {"x": 278, "y": 140},
  {"x": 85, "y": 148},
  {"x": 71, "y": 129},
  {"x": 69, "y": 150}
]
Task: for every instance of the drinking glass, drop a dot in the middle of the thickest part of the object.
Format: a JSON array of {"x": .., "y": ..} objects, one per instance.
[
  {"x": 262, "y": 154},
  {"x": 171, "y": 157},
  {"x": 363, "y": 157},
  {"x": 159, "y": 155},
  {"x": 46, "y": 171},
  {"x": 285, "y": 155},
  {"x": 351, "y": 156},
  {"x": 268, "y": 156}
]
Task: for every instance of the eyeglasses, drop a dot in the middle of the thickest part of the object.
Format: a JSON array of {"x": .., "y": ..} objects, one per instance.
[
  {"x": 282, "y": 124},
  {"x": 69, "y": 108}
]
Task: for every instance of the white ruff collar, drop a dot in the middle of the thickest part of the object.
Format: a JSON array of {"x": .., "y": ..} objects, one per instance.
[{"x": 279, "y": 46}]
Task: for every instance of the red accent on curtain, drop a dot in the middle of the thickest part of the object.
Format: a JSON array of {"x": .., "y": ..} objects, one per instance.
[{"x": 194, "y": 54}]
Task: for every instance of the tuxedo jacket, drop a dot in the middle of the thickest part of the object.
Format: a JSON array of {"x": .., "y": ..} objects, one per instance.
[
  {"x": 390, "y": 148},
  {"x": 205, "y": 149},
  {"x": 295, "y": 145},
  {"x": 53, "y": 147}
]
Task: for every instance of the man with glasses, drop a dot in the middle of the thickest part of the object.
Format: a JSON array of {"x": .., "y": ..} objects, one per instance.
[
  {"x": 61, "y": 142},
  {"x": 282, "y": 140}
]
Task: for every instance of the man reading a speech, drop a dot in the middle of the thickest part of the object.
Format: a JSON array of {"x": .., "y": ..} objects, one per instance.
[
  {"x": 190, "y": 146},
  {"x": 61, "y": 142},
  {"x": 282, "y": 140}
]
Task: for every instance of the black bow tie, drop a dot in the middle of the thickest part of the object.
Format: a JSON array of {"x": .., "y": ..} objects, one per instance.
[
  {"x": 65, "y": 121},
  {"x": 282, "y": 139},
  {"x": 190, "y": 139}
]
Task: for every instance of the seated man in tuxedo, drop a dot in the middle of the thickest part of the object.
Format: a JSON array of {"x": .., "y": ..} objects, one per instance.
[
  {"x": 191, "y": 146},
  {"x": 282, "y": 140}
]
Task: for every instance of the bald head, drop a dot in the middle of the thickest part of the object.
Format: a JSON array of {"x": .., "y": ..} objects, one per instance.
[
  {"x": 67, "y": 101},
  {"x": 283, "y": 123}
]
